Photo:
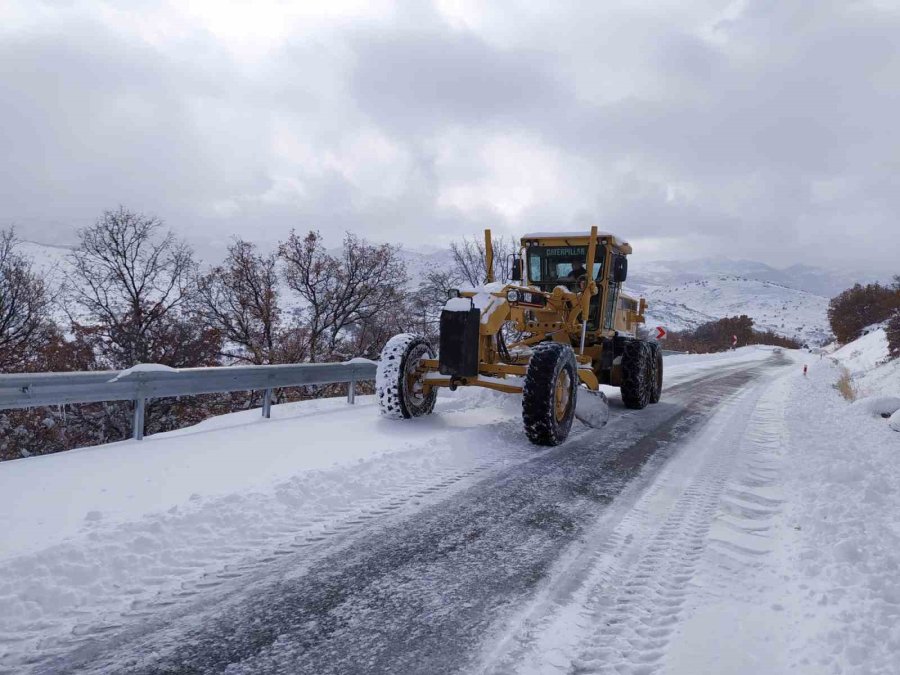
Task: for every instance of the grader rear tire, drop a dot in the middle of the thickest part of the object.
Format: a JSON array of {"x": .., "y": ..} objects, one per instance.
[
  {"x": 656, "y": 372},
  {"x": 636, "y": 383},
  {"x": 399, "y": 392},
  {"x": 548, "y": 397}
]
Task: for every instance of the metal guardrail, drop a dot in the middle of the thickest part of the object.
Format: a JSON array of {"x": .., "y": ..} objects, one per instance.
[{"x": 29, "y": 390}]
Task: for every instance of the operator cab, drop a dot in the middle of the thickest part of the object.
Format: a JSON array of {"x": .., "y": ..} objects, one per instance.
[
  {"x": 550, "y": 258},
  {"x": 550, "y": 266}
]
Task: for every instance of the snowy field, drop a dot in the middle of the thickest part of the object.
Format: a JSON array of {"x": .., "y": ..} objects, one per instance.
[{"x": 768, "y": 543}]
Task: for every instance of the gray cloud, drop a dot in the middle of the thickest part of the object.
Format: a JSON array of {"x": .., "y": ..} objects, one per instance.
[
  {"x": 713, "y": 132},
  {"x": 417, "y": 82}
]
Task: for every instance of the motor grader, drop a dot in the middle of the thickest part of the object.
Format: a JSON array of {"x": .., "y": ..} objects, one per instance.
[{"x": 558, "y": 328}]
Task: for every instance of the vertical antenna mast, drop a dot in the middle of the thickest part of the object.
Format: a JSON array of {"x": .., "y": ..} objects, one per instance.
[{"x": 489, "y": 257}]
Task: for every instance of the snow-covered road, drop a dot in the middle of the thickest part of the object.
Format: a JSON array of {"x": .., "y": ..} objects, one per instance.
[
  {"x": 665, "y": 542},
  {"x": 417, "y": 579}
]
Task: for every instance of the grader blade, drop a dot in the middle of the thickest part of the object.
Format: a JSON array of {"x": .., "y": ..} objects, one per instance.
[{"x": 591, "y": 407}]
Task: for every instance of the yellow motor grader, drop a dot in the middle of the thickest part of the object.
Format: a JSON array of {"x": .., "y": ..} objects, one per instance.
[{"x": 574, "y": 329}]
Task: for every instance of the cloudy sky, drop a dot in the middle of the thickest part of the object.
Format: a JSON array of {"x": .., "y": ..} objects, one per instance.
[{"x": 766, "y": 129}]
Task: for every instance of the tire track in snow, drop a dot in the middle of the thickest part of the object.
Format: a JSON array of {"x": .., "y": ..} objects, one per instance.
[
  {"x": 615, "y": 608},
  {"x": 738, "y": 562}
]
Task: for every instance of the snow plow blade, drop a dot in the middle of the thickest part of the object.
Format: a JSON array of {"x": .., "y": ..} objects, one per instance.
[{"x": 591, "y": 408}]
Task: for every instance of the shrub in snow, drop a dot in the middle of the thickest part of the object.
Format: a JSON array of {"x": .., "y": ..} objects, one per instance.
[
  {"x": 892, "y": 330},
  {"x": 854, "y": 309},
  {"x": 879, "y": 406},
  {"x": 845, "y": 385}
]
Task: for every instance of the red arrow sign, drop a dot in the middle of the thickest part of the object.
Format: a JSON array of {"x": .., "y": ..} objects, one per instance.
[{"x": 661, "y": 333}]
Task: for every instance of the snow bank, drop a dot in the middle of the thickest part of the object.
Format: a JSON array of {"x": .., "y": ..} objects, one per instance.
[
  {"x": 881, "y": 380},
  {"x": 864, "y": 354},
  {"x": 878, "y": 406},
  {"x": 894, "y": 421},
  {"x": 842, "y": 476},
  {"x": 866, "y": 359},
  {"x": 799, "y": 571}
]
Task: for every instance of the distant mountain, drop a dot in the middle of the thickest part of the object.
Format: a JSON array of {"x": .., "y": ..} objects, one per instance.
[
  {"x": 825, "y": 282},
  {"x": 420, "y": 261}
]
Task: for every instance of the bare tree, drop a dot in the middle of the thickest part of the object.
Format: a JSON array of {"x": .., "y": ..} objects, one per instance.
[
  {"x": 341, "y": 292},
  {"x": 240, "y": 298},
  {"x": 130, "y": 292},
  {"x": 128, "y": 278},
  {"x": 428, "y": 299},
  {"x": 23, "y": 303},
  {"x": 470, "y": 263}
]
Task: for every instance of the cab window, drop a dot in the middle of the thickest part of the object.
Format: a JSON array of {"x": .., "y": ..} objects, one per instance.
[{"x": 552, "y": 265}]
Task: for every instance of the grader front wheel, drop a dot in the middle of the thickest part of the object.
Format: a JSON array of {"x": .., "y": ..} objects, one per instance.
[
  {"x": 398, "y": 385},
  {"x": 548, "y": 397}
]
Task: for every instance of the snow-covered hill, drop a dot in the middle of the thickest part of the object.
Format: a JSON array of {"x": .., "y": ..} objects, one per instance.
[
  {"x": 47, "y": 260},
  {"x": 421, "y": 261},
  {"x": 783, "y": 310}
]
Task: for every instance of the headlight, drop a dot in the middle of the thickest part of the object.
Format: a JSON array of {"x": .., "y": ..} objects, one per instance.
[
  {"x": 512, "y": 296},
  {"x": 533, "y": 299}
]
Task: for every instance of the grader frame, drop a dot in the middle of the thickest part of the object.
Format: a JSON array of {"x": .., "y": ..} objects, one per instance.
[
  {"x": 562, "y": 318},
  {"x": 575, "y": 332}
]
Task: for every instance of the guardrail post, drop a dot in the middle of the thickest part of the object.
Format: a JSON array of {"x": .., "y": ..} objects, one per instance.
[
  {"x": 267, "y": 404},
  {"x": 139, "y": 418},
  {"x": 351, "y": 392}
]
